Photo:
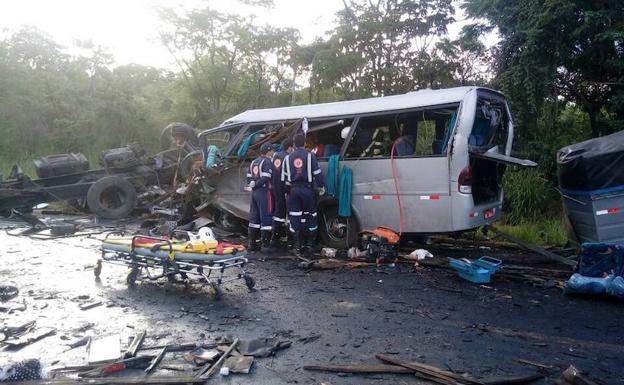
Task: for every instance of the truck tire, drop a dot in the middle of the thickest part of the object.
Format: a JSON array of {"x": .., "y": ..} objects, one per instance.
[
  {"x": 337, "y": 232},
  {"x": 111, "y": 197},
  {"x": 182, "y": 129}
]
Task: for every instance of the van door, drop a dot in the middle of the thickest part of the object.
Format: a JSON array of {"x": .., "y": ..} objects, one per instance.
[{"x": 402, "y": 154}]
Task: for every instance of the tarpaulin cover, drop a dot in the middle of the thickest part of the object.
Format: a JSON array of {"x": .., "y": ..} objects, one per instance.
[{"x": 595, "y": 164}]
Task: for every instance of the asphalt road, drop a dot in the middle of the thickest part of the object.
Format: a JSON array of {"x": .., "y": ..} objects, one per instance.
[{"x": 428, "y": 315}]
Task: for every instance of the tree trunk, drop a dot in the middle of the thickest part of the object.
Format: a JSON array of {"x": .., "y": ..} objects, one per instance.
[{"x": 593, "y": 123}]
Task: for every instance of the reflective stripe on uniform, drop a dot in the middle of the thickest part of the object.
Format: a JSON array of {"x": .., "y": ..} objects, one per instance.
[
  {"x": 313, "y": 214},
  {"x": 266, "y": 228},
  {"x": 309, "y": 167},
  {"x": 254, "y": 225},
  {"x": 265, "y": 174},
  {"x": 317, "y": 172},
  {"x": 276, "y": 219},
  {"x": 288, "y": 176},
  {"x": 296, "y": 213},
  {"x": 313, "y": 228}
]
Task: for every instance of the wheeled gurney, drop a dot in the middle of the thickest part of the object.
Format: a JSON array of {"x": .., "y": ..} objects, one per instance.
[{"x": 154, "y": 258}]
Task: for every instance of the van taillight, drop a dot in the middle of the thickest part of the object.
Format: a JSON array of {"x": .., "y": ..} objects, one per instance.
[{"x": 464, "y": 181}]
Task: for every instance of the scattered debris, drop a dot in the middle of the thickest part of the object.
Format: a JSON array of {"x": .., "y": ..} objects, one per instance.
[
  {"x": 27, "y": 339},
  {"x": 418, "y": 255},
  {"x": 27, "y": 370},
  {"x": 105, "y": 349},
  {"x": 201, "y": 356},
  {"x": 89, "y": 305},
  {"x": 8, "y": 292},
  {"x": 208, "y": 369},
  {"x": 140, "y": 362},
  {"x": 240, "y": 364},
  {"x": 395, "y": 365},
  {"x": 135, "y": 345},
  {"x": 156, "y": 361},
  {"x": 262, "y": 347},
  {"x": 574, "y": 377}
]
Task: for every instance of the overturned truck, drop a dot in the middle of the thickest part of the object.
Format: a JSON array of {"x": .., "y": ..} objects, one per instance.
[
  {"x": 425, "y": 162},
  {"x": 112, "y": 191}
]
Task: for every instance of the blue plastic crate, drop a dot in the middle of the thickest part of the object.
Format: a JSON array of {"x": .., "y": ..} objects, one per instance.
[
  {"x": 492, "y": 264},
  {"x": 479, "y": 271}
]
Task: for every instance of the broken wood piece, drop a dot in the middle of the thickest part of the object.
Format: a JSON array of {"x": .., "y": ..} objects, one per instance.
[
  {"x": 240, "y": 364},
  {"x": 90, "y": 305},
  {"x": 200, "y": 356},
  {"x": 180, "y": 347},
  {"x": 27, "y": 339},
  {"x": 573, "y": 376},
  {"x": 156, "y": 361},
  {"x": 136, "y": 343},
  {"x": 511, "y": 380},
  {"x": 430, "y": 372},
  {"x": 208, "y": 370},
  {"x": 532, "y": 363},
  {"x": 361, "y": 369},
  {"x": 332, "y": 263}
]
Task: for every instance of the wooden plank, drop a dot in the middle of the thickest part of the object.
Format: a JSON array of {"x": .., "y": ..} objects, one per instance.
[
  {"x": 434, "y": 374},
  {"x": 156, "y": 361},
  {"x": 172, "y": 380},
  {"x": 532, "y": 363},
  {"x": 362, "y": 369},
  {"x": 208, "y": 370},
  {"x": 511, "y": 380},
  {"x": 534, "y": 248},
  {"x": 136, "y": 343}
]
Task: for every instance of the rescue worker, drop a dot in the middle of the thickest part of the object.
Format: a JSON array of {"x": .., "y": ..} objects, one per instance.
[
  {"x": 260, "y": 213},
  {"x": 279, "y": 237},
  {"x": 302, "y": 173}
]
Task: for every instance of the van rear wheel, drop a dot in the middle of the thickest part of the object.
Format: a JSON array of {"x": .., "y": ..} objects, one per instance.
[{"x": 336, "y": 231}]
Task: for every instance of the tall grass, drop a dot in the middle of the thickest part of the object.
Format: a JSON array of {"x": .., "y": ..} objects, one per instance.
[{"x": 533, "y": 209}]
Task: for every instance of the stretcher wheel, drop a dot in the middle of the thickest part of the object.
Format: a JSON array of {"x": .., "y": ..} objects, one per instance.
[
  {"x": 215, "y": 290},
  {"x": 249, "y": 281},
  {"x": 98, "y": 268},
  {"x": 132, "y": 276}
]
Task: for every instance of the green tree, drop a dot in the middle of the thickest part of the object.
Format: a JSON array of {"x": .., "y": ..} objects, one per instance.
[{"x": 557, "y": 48}]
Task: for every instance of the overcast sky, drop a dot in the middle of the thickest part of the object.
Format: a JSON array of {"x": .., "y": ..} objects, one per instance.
[{"x": 127, "y": 28}]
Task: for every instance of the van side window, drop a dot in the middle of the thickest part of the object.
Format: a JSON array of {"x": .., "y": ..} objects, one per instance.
[
  {"x": 220, "y": 138},
  {"x": 412, "y": 134},
  {"x": 324, "y": 137}
]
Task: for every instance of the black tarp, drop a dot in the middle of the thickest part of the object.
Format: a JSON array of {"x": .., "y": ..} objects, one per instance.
[{"x": 592, "y": 165}]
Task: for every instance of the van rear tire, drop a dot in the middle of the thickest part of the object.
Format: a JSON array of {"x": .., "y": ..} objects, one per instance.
[{"x": 335, "y": 231}]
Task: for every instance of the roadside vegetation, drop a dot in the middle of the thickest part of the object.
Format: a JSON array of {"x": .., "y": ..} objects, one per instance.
[{"x": 561, "y": 65}]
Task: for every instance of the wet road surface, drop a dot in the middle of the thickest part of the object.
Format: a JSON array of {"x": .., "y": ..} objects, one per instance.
[{"x": 428, "y": 315}]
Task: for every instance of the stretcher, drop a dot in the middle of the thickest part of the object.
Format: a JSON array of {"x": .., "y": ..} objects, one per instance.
[{"x": 155, "y": 258}]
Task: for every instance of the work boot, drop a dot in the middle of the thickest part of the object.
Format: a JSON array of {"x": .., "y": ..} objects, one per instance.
[
  {"x": 253, "y": 245},
  {"x": 266, "y": 240},
  {"x": 312, "y": 242},
  {"x": 300, "y": 249},
  {"x": 276, "y": 237}
]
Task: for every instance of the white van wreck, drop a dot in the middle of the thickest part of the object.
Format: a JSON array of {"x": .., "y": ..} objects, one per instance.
[{"x": 425, "y": 162}]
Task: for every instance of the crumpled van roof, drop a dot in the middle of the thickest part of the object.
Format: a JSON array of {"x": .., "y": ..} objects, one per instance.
[{"x": 409, "y": 100}]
